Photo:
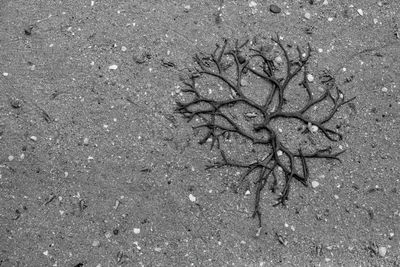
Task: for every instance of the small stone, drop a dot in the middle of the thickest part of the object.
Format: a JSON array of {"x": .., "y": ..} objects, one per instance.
[
  {"x": 279, "y": 153},
  {"x": 247, "y": 193},
  {"x": 123, "y": 48},
  {"x": 252, "y": 4},
  {"x": 113, "y": 67},
  {"x": 278, "y": 59},
  {"x": 382, "y": 251},
  {"x": 384, "y": 89},
  {"x": 86, "y": 141},
  {"x": 96, "y": 243},
  {"x": 33, "y": 138},
  {"x": 275, "y": 9},
  {"x": 360, "y": 12},
  {"x": 307, "y": 15},
  {"x": 325, "y": 3},
  {"x": 314, "y": 184},
  {"x": 108, "y": 234},
  {"x": 136, "y": 231},
  {"x": 192, "y": 198},
  {"x": 310, "y": 78},
  {"x": 10, "y": 158},
  {"x": 5, "y": 74},
  {"x": 312, "y": 128},
  {"x": 336, "y": 196}
]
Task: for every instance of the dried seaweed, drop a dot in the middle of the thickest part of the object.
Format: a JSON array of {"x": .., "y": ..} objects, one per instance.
[{"x": 229, "y": 69}]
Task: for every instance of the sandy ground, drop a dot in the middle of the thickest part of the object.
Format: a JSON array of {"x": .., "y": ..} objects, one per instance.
[{"x": 96, "y": 168}]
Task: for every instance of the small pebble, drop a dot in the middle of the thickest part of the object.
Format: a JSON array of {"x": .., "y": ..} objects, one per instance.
[
  {"x": 360, "y": 12},
  {"x": 275, "y": 9},
  {"x": 307, "y": 15},
  {"x": 192, "y": 198},
  {"x": 123, "y": 48},
  {"x": 113, "y": 67},
  {"x": 86, "y": 141},
  {"x": 325, "y": 3},
  {"x": 252, "y": 4},
  {"x": 10, "y": 158},
  {"x": 279, "y": 153},
  {"x": 314, "y": 184},
  {"x": 5, "y": 74},
  {"x": 278, "y": 59},
  {"x": 33, "y": 138},
  {"x": 310, "y": 78},
  {"x": 136, "y": 231},
  {"x": 96, "y": 243},
  {"x": 384, "y": 89},
  {"x": 108, "y": 235},
  {"x": 336, "y": 196},
  {"x": 382, "y": 251},
  {"x": 247, "y": 193},
  {"x": 312, "y": 128}
]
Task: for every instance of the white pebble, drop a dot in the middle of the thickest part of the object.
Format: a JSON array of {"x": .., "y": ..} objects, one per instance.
[
  {"x": 336, "y": 196},
  {"x": 33, "y": 138},
  {"x": 10, "y": 158},
  {"x": 313, "y": 128},
  {"x": 279, "y": 153},
  {"x": 360, "y": 12},
  {"x": 325, "y": 2},
  {"x": 310, "y": 78},
  {"x": 123, "y": 48},
  {"x": 320, "y": 50},
  {"x": 113, "y": 67},
  {"x": 382, "y": 251},
  {"x": 278, "y": 59},
  {"x": 5, "y": 73},
  {"x": 252, "y": 4},
  {"x": 314, "y": 184},
  {"x": 384, "y": 89},
  {"x": 192, "y": 198},
  {"x": 108, "y": 235},
  {"x": 330, "y": 19},
  {"x": 307, "y": 15},
  {"x": 96, "y": 243},
  {"x": 136, "y": 231},
  {"x": 247, "y": 193},
  {"x": 86, "y": 141}
]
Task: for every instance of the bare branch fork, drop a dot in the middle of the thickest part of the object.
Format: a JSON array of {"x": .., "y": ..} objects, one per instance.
[{"x": 218, "y": 123}]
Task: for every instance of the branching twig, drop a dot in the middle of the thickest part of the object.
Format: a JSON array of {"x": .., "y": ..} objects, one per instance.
[{"x": 218, "y": 123}]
